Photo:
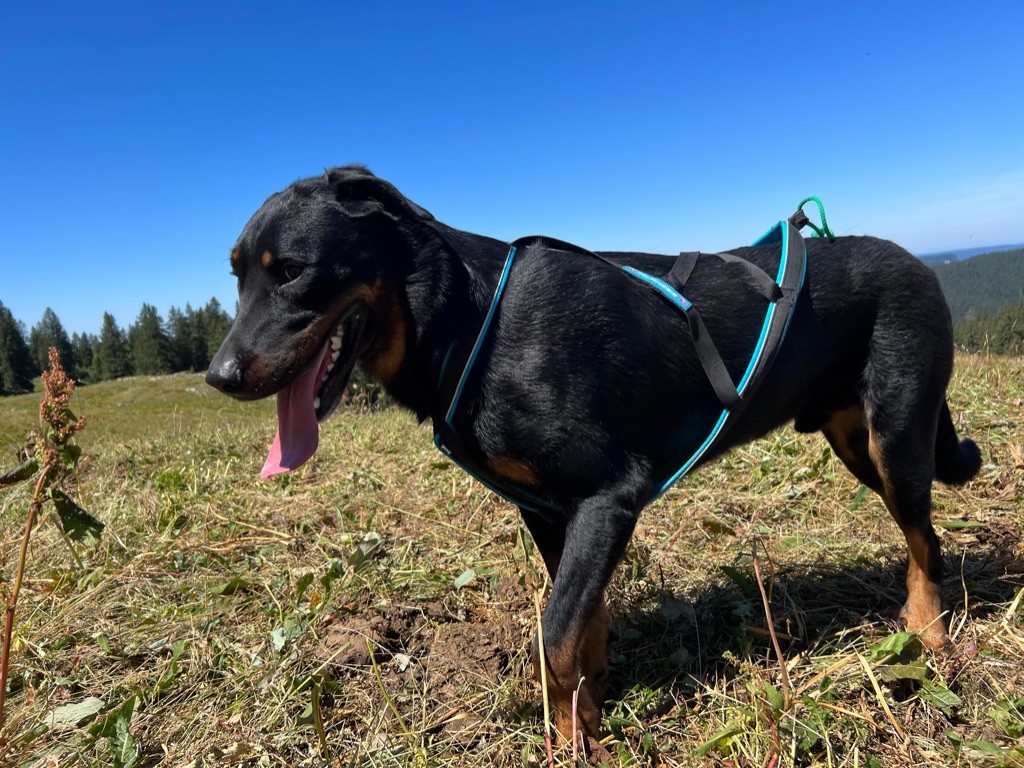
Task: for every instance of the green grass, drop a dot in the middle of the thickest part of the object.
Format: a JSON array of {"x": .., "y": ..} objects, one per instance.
[{"x": 373, "y": 609}]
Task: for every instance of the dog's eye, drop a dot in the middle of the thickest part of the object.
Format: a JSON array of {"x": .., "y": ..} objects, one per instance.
[{"x": 292, "y": 272}]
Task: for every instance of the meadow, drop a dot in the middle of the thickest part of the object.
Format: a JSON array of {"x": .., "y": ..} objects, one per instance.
[{"x": 374, "y": 608}]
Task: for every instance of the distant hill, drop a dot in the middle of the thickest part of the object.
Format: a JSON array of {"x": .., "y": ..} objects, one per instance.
[
  {"x": 962, "y": 254},
  {"x": 984, "y": 284}
]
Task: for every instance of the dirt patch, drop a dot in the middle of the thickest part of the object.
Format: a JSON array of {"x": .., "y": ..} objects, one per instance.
[
  {"x": 464, "y": 657},
  {"x": 430, "y": 657}
]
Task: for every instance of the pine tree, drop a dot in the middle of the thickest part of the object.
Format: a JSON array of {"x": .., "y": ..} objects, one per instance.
[
  {"x": 112, "y": 358},
  {"x": 187, "y": 339},
  {"x": 84, "y": 344},
  {"x": 150, "y": 345},
  {"x": 215, "y": 326},
  {"x": 49, "y": 332},
  {"x": 16, "y": 368}
]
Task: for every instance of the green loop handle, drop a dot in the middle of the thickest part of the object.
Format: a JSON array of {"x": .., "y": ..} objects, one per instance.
[{"x": 824, "y": 231}]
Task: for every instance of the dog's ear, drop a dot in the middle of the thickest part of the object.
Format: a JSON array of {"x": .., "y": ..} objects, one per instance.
[{"x": 360, "y": 194}]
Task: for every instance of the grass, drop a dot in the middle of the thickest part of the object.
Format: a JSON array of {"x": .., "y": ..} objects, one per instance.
[{"x": 373, "y": 609}]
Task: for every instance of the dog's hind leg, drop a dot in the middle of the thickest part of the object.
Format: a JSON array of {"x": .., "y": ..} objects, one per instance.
[
  {"x": 576, "y": 621},
  {"x": 888, "y": 442},
  {"x": 899, "y": 469}
]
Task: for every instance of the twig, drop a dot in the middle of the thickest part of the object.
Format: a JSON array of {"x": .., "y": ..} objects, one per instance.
[
  {"x": 881, "y": 697},
  {"x": 787, "y": 686},
  {"x": 544, "y": 683},
  {"x": 19, "y": 574},
  {"x": 318, "y": 722},
  {"x": 575, "y": 704}
]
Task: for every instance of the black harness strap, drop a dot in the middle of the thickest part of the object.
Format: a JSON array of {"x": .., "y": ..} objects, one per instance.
[{"x": 711, "y": 361}]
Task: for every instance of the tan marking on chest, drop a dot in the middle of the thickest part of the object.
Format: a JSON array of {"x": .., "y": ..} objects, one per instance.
[{"x": 514, "y": 470}]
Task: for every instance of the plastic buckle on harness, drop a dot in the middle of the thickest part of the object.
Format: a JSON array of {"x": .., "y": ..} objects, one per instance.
[{"x": 799, "y": 219}]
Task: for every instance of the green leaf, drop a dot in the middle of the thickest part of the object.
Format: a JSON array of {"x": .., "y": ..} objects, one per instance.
[
  {"x": 106, "y": 726},
  {"x": 334, "y": 572},
  {"x": 125, "y": 750},
  {"x": 282, "y": 637},
  {"x": 915, "y": 670},
  {"x": 75, "y": 714},
  {"x": 940, "y": 696},
  {"x": 1009, "y": 716},
  {"x": 741, "y": 580},
  {"x": 721, "y": 741},
  {"x": 956, "y": 525},
  {"x": 302, "y": 585},
  {"x": 904, "y": 646},
  {"x": 76, "y": 522},
  {"x": 69, "y": 455},
  {"x": 774, "y": 697},
  {"x": 103, "y": 641},
  {"x": 717, "y": 527},
  {"x": 464, "y": 578},
  {"x": 365, "y": 549},
  {"x": 231, "y": 586},
  {"x": 177, "y": 648},
  {"x": 859, "y": 497},
  {"x": 23, "y": 471},
  {"x": 985, "y": 746}
]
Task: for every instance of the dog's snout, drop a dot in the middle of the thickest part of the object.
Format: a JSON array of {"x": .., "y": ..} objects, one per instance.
[{"x": 225, "y": 375}]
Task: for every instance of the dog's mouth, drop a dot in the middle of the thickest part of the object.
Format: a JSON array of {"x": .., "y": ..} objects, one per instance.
[{"x": 314, "y": 395}]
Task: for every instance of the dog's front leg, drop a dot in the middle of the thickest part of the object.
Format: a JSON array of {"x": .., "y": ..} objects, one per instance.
[{"x": 576, "y": 620}]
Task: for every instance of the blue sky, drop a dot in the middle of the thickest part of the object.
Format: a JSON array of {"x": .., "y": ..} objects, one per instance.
[{"x": 139, "y": 137}]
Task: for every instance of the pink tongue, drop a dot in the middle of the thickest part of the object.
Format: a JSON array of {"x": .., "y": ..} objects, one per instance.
[{"x": 297, "y": 432}]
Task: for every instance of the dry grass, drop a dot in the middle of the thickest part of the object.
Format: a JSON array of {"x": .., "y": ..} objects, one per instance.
[{"x": 374, "y": 608}]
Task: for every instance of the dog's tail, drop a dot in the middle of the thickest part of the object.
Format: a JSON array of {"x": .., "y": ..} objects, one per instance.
[{"x": 956, "y": 461}]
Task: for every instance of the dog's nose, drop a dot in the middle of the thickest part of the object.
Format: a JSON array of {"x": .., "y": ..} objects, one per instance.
[{"x": 225, "y": 375}]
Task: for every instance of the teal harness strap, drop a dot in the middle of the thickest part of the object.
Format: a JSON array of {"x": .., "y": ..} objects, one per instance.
[
  {"x": 789, "y": 280},
  {"x": 446, "y": 436}
]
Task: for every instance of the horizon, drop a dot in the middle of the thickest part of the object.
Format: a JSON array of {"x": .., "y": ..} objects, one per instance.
[
  {"x": 957, "y": 254},
  {"x": 145, "y": 137}
]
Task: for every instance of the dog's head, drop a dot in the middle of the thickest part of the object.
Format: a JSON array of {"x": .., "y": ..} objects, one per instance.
[{"x": 315, "y": 268}]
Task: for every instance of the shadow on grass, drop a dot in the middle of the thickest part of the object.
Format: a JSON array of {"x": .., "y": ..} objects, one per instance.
[{"x": 679, "y": 642}]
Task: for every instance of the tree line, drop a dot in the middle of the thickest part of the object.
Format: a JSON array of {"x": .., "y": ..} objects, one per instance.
[
  {"x": 982, "y": 285},
  {"x": 150, "y": 346},
  {"x": 1000, "y": 332}
]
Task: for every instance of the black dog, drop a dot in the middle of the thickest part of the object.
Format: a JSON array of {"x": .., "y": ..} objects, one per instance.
[{"x": 587, "y": 379}]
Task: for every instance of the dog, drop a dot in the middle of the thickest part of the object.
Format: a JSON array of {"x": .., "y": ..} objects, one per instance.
[{"x": 578, "y": 392}]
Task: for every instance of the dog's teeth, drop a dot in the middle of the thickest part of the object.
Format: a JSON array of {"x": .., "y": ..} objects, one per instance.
[
  {"x": 335, "y": 355},
  {"x": 330, "y": 367},
  {"x": 316, "y": 402},
  {"x": 335, "y": 343}
]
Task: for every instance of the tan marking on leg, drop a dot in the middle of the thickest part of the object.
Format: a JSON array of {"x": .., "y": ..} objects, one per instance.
[
  {"x": 594, "y": 653},
  {"x": 922, "y": 612},
  {"x": 841, "y": 429},
  {"x": 878, "y": 459},
  {"x": 563, "y": 677},
  {"x": 514, "y": 470}
]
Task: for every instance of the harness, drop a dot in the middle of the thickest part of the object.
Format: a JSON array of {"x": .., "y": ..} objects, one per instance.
[{"x": 780, "y": 294}]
